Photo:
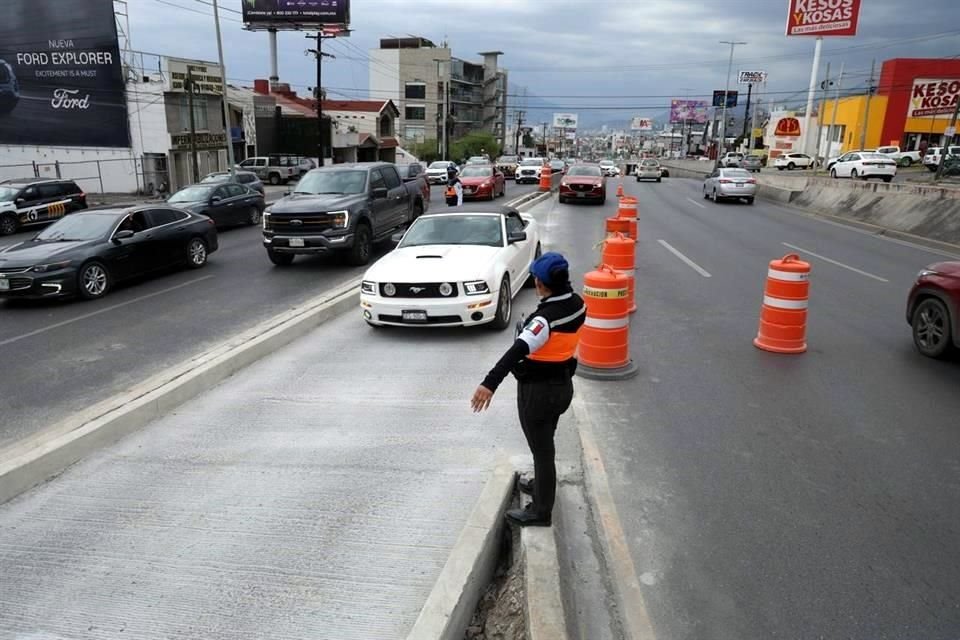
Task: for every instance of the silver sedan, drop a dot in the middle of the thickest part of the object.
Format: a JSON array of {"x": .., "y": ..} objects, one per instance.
[{"x": 732, "y": 184}]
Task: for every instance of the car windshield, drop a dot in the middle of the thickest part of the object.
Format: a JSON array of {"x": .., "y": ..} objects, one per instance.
[
  {"x": 606, "y": 163},
  {"x": 216, "y": 177},
  {"x": 531, "y": 162},
  {"x": 751, "y": 159},
  {"x": 192, "y": 194},
  {"x": 466, "y": 230},
  {"x": 477, "y": 160},
  {"x": 84, "y": 226},
  {"x": 320, "y": 182},
  {"x": 8, "y": 193},
  {"x": 650, "y": 163},
  {"x": 736, "y": 173},
  {"x": 439, "y": 165},
  {"x": 506, "y": 159},
  {"x": 476, "y": 172},
  {"x": 593, "y": 172}
]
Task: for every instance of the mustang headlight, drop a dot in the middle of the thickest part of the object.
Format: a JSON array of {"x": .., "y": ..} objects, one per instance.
[
  {"x": 53, "y": 266},
  {"x": 446, "y": 289},
  {"x": 476, "y": 288},
  {"x": 369, "y": 287},
  {"x": 389, "y": 289}
]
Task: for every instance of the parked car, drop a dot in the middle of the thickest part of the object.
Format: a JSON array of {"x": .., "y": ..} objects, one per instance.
[
  {"x": 87, "y": 253},
  {"x": 344, "y": 209},
  {"x": 302, "y": 163},
  {"x": 225, "y": 203},
  {"x": 751, "y": 163},
  {"x": 482, "y": 181},
  {"x": 731, "y": 159},
  {"x": 35, "y": 201},
  {"x": 791, "y": 161},
  {"x": 609, "y": 168},
  {"x": 864, "y": 165},
  {"x": 415, "y": 172},
  {"x": 529, "y": 170},
  {"x": 270, "y": 170},
  {"x": 437, "y": 171},
  {"x": 902, "y": 158},
  {"x": 732, "y": 183},
  {"x": 584, "y": 182},
  {"x": 484, "y": 159},
  {"x": 932, "y": 158},
  {"x": 478, "y": 262},
  {"x": 9, "y": 88},
  {"x": 508, "y": 166},
  {"x": 933, "y": 309},
  {"x": 246, "y": 178},
  {"x": 649, "y": 170}
]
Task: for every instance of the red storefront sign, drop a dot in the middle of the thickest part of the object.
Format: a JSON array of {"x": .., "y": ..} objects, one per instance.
[
  {"x": 933, "y": 97},
  {"x": 787, "y": 127},
  {"x": 823, "y": 17}
]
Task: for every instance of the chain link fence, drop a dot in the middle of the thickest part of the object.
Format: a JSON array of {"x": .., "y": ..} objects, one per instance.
[{"x": 144, "y": 176}]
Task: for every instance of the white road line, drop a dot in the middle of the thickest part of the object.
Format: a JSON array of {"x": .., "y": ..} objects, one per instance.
[
  {"x": 695, "y": 203},
  {"x": 690, "y": 263},
  {"x": 834, "y": 262},
  {"x": 99, "y": 311}
]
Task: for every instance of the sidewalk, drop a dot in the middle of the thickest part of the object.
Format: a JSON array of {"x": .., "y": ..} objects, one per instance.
[{"x": 316, "y": 494}]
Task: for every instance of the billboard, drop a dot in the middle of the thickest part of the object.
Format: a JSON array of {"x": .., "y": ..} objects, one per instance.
[
  {"x": 207, "y": 78},
  {"x": 936, "y": 98},
  {"x": 731, "y": 98},
  {"x": 787, "y": 127},
  {"x": 751, "y": 77},
  {"x": 641, "y": 124},
  {"x": 61, "y": 78},
  {"x": 295, "y": 14},
  {"x": 823, "y": 17},
  {"x": 688, "y": 111},
  {"x": 565, "y": 121}
]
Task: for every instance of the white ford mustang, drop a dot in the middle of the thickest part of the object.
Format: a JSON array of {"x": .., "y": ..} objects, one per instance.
[{"x": 453, "y": 269}]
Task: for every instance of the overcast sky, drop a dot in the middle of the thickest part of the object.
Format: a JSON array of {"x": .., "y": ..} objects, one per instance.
[{"x": 575, "y": 54}]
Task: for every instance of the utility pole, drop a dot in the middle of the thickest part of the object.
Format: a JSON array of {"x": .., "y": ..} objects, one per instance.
[
  {"x": 866, "y": 114},
  {"x": 833, "y": 121},
  {"x": 320, "y": 55},
  {"x": 726, "y": 91},
  {"x": 231, "y": 161},
  {"x": 516, "y": 143},
  {"x": 949, "y": 133},
  {"x": 443, "y": 74},
  {"x": 746, "y": 117},
  {"x": 546, "y": 147},
  {"x": 825, "y": 85},
  {"x": 193, "y": 125}
]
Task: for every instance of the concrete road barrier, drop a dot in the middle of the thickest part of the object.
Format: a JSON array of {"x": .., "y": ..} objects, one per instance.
[{"x": 543, "y": 602}]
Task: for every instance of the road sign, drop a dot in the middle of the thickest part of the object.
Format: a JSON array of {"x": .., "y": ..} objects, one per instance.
[{"x": 751, "y": 77}]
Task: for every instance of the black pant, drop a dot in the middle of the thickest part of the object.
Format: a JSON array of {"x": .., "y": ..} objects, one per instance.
[{"x": 540, "y": 405}]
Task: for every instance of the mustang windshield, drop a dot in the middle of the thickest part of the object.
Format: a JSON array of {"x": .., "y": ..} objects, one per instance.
[{"x": 484, "y": 231}]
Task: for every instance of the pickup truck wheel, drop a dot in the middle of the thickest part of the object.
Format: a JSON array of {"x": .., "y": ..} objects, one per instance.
[
  {"x": 274, "y": 179},
  {"x": 362, "y": 246},
  {"x": 504, "y": 307},
  {"x": 906, "y": 162},
  {"x": 280, "y": 259}
]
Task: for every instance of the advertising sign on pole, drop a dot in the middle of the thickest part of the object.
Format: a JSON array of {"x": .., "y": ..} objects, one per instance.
[
  {"x": 641, "y": 124},
  {"x": 751, "y": 77},
  {"x": 295, "y": 14},
  {"x": 933, "y": 98},
  {"x": 207, "y": 78},
  {"x": 823, "y": 17},
  {"x": 688, "y": 111},
  {"x": 731, "y": 98},
  {"x": 61, "y": 78},
  {"x": 565, "y": 120},
  {"x": 788, "y": 128}
]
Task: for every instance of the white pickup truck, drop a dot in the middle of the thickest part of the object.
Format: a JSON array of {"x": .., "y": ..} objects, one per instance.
[{"x": 902, "y": 158}]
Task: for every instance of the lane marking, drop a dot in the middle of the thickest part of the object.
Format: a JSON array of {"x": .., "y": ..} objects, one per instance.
[
  {"x": 834, "y": 262},
  {"x": 690, "y": 263},
  {"x": 695, "y": 203},
  {"x": 100, "y": 311}
]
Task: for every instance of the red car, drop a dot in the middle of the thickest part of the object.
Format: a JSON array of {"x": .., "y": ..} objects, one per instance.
[
  {"x": 584, "y": 182},
  {"x": 482, "y": 181},
  {"x": 933, "y": 309}
]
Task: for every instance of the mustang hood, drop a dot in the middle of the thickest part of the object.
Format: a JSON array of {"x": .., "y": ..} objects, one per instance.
[{"x": 434, "y": 263}]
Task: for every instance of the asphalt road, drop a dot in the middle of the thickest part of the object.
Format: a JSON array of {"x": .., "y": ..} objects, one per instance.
[
  {"x": 60, "y": 357},
  {"x": 766, "y": 496}
]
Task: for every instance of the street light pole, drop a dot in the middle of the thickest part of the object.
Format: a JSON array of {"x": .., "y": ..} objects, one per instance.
[
  {"x": 949, "y": 133},
  {"x": 726, "y": 91},
  {"x": 231, "y": 161}
]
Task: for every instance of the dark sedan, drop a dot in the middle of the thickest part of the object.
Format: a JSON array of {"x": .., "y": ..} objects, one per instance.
[
  {"x": 228, "y": 204},
  {"x": 87, "y": 252},
  {"x": 246, "y": 178}
]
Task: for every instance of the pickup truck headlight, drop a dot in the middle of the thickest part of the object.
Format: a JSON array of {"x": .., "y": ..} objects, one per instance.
[
  {"x": 341, "y": 219},
  {"x": 476, "y": 287},
  {"x": 368, "y": 287},
  {"x": 53, "y": 266}
]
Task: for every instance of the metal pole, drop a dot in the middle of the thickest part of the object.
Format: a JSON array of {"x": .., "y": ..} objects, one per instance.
[
  {"x": 100, "y": 174},
  {"x": 726, "y": 91},
  {"x": 814, "y": 72},
  {"x": 833, "y": 121},
  {"x": 945, "y": 148},
  {"x": 193, "y": 127},
  {"x": 823, "y": 106},
  {"x": 866, "y": 111},
  {"x": 746, "y": 115},
  {"x": 320, "y": 98},
  {"x": 274, "y": 73},
  {"x": 231, "y": 161}
]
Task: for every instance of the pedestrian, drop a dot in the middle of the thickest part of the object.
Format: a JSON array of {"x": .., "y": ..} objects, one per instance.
[
  {"x": 454, "y": 193},
  {"x": 543, "y": 362}
]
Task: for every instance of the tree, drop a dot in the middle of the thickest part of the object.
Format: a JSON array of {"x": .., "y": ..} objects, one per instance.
[
  {"x": 425, "y": 151},
  {"x": 474, "y": 144}
]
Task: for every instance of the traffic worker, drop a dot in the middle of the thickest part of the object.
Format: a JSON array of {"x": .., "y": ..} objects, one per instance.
[
  {"x": 543, "y": 362},
  {"x": 454, "y": 193}
]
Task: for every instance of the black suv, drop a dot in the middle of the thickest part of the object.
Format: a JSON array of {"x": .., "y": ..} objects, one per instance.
[{"x": 30, "y": 201}]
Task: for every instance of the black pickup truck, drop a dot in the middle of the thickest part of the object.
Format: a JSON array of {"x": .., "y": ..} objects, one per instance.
[{"x": 346, "y": 209}]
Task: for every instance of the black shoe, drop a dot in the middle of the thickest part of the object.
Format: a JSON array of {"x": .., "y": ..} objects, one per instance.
[
  {"x": 528, "y": 518},
  {"x": 525, "y": 485}
]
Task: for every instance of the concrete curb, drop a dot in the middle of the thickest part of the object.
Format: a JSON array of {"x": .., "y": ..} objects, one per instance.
[
  {"x": 38, "y": 458},
  {"x": 543, "y": 603},
  {"x": 471, "y": 565},
  {"x": 533, "y": 199}
]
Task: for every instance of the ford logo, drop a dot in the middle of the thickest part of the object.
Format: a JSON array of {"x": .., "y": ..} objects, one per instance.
[{"x": 296, "y": 223}]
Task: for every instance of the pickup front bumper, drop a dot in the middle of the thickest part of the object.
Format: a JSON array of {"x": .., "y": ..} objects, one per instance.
[{"x": 285, "y": 243}]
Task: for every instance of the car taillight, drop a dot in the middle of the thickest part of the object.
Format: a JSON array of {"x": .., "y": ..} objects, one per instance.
[
  {"x": 751, "y": 181},
  {"x": 725, "y": 181}
]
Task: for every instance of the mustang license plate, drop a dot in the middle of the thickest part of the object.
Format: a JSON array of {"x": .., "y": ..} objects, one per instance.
[
  {"x": 414, "y": 316},
  {"x": 296, "y": 242},
  {"x": 4, "y": 284}
]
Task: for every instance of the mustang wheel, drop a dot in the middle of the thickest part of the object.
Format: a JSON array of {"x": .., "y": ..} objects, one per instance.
[{"x": 504, "y": 307}]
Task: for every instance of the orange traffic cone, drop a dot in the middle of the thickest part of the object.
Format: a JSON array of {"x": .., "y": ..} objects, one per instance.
[{"x": 783, "y": 316}]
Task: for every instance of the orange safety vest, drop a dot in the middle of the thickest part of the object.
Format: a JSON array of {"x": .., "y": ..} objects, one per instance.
[
  {"x": 560, "y": 347},
  {"x": 451, "y": 192}
]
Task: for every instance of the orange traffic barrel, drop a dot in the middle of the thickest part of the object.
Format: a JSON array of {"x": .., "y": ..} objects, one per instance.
[
  {"x": 546, "y": 178},
  {"x": 620, "y": 253},
  {"x": 783, "y": 316},
  {"x": 628, "y": 207},
  {"x": 604, "y": 348},
  {"x": 626, "y": 226}
]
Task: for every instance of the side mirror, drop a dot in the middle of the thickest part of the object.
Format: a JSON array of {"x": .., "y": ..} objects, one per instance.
[
  {"x": 379, "y": 193},
  {"x": 397, "y": 237},
  {"x": 215, "y": 199},
  {"x": 516, "y": 236},
  {"x": 19, "y": 201},
  {"x": 124, "y": 234},
  {"x": 707, "y": 175}
]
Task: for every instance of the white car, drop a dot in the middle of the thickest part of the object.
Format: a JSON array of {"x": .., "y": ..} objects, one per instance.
[
  {"x": 437, "y": 171},
  {"x": 529, "y": 170},
  {"x": 931, "y": 160},
  {"x": 863, "y": 165},
  {"x": 731, "y": 159},
  {"x": 791, "y": 161},
  {"x": 609, "y": 169},
  {"x": 452, "y": 269}
]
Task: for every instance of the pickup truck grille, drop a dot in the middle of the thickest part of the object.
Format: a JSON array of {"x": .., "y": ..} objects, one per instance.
[
  {"x": 419, "y": 290},
  {"x": 303, "y": 224}
]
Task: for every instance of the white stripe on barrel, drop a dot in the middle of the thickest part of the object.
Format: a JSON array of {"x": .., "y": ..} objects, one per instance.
[
  {"x": 787, "y": 276},
  {"x": 780, "y": 303},
  {"x": 600, "y": 323}
]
